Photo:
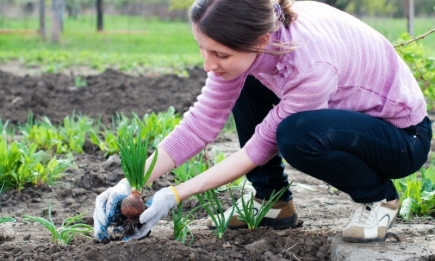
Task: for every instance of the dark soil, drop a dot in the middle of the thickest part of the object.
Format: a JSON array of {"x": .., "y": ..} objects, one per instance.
[{"x": 322, "y": 212}]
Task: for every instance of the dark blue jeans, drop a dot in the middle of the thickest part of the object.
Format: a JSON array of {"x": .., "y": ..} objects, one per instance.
[{"x": 356, "y": 153}]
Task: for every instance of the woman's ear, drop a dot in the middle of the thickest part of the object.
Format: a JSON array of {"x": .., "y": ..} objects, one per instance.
[{"x": 263, "y": 40}]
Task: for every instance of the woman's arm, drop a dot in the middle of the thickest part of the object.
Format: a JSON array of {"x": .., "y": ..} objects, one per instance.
[
  {"x": 233, "y": 167},
  {"x": 164, "y": 164}
]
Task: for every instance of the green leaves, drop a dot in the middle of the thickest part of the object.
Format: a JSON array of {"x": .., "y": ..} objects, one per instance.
[
  {"x": 422, "y": 66},
  {"x": 191, "y": 168},
  {"x": 7, "y": 219},
  {"x": 418, "y": 193},
  {"x": 252, "y": 216},
  {"x": 181, "y": 221},
  {"x": 215, "y": 211},
  {"x": 134, "y": 152},
  {"x": 21, "y": 164},
  {"x": 70, "y": 227}
]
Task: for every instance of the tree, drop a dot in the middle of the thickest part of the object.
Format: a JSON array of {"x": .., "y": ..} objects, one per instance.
[
  {"x": 42, "y": 29},
  {"x": 57, "y": 23},
  {"x": 99, "y": 7}
]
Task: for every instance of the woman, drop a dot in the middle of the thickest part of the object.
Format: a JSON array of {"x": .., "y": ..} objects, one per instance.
[{"x": 307, "y": 83}]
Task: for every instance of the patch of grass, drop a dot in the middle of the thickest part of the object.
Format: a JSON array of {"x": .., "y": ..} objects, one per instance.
[
  {"x": 393, "y": 28},
  {"x": 129, "y": 44}
]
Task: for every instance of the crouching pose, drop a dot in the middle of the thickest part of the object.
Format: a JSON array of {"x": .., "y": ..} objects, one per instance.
[{"x": 306, "y": 83}]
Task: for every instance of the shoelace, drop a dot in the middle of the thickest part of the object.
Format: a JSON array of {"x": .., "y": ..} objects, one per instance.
[{"x": 363, "y": 213}]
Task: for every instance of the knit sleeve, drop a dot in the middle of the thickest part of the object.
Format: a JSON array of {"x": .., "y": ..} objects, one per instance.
[
  {"x": 204, "y": 120},
  {"x": 309, "y": 90}
]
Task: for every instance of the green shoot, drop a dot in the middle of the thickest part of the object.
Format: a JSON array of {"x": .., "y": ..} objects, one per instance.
[
  {"x": 191, "y": 168},
  {"x": 215, "y": 211},
  {"x": 181, "y": 222},
  {"x": 80, "y": 82},
  {"x": 7, "y": 219},
  {"x": 70, "y": 227},
  {"x": 134, "y": 152},
  {"x": 252, "y": 216}
]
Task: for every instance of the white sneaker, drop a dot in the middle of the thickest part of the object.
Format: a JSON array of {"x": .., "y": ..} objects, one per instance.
[{"x": 369, "y": 222}]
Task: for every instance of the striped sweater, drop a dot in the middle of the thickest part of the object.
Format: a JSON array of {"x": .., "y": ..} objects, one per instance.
[{"x": 339, "y": 63}]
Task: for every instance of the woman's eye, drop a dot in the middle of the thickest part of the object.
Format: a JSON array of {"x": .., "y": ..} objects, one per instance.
[{"x": 221, "y": 56}]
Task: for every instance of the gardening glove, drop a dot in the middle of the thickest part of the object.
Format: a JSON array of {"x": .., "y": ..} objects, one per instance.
[
  {"x": 162, "y": 202},
  {"x": 108, "y": 208}
]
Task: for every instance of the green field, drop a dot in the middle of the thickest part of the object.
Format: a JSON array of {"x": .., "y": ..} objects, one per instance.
[
  {"x": 393, "y": 28},
  {"x": 131, "y": 43}
]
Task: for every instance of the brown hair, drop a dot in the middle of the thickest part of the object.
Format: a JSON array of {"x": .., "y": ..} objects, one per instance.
[{"x": 239, "y": 24}]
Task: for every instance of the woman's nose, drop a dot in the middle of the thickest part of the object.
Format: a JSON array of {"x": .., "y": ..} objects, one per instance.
[{"x": 209, "y": 63}]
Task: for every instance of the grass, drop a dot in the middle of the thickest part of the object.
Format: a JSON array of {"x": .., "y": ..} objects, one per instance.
[
  {"x": 134, "y": 44},
  {"x": 392, "y": 29},
  {"x": 128, "y": 44}
]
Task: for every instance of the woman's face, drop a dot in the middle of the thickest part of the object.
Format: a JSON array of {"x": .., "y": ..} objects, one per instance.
[{"x": 221, "y": 60}]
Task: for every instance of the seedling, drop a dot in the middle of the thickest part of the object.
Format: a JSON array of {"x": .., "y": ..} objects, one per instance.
[
  {"x": 70, "y": 227},
  {"x": 7, "y": 219},
  {"x": 252, "y": 216},
  {"x": 181, "y": 222},
  {"x": 75, "y": 130},
  {"x": 191, "y": 168},
  {"x": 134, "y": 152},
  {"x": 215, "y": 211},
  {"x": 80, "y": 82}
]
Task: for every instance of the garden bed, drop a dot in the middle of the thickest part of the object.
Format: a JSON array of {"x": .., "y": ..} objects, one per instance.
[{"x": 323, "y": 211}]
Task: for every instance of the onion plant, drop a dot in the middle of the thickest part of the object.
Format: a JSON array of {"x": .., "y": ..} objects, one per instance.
[
  {"x": 249, "y": 214},
  {"x": 134, "y": 152},
  {"x": 181, "y": 221},
  {"x": 215, "y": 211},
  {"x": 70, "y": 227}
]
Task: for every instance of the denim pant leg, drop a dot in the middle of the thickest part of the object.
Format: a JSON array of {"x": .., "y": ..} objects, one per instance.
[
  {"x": 251, "y": 108},
  {"x": 356, "y": 153}
]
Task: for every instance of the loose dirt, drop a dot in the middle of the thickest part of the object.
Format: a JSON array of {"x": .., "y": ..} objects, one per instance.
[{"x": 323, "y": 211}]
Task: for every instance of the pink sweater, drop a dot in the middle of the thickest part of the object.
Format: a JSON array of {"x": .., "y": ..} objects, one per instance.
[{"x": 340, "y": 63}]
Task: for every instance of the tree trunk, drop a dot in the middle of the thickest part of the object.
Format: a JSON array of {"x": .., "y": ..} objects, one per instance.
[
  {"x": 42, "y": 29},
  {"x": 56, "y": 18},
  {"x": 410, "y": 17},
  {"x": 99, "y": 15}
]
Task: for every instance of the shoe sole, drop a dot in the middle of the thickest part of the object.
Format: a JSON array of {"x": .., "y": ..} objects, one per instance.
[
  {"x": 367, "y": 240},
  {"x": 277, "y": 224}
]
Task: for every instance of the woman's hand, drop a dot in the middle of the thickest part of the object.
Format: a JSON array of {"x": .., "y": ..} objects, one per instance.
[
  {"x": 162, "y": 202},
  {"x": 108, "y": 208}
]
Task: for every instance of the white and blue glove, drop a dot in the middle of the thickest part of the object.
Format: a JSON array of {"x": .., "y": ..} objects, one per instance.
[{"x": 108, "y": 210}]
